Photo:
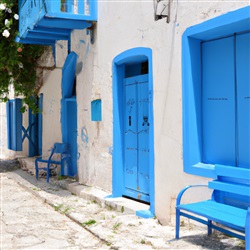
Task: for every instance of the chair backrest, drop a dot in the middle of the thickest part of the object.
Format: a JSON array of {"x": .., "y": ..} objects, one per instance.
[{"x": 60, "y": 148}]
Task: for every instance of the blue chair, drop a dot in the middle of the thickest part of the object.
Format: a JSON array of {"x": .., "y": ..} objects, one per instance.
[{"x": 59, "y": 148}]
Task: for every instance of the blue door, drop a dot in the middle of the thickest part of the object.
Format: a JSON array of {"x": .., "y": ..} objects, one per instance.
[
  {"x": 69, "y": 111},
  {"x": 69, "y": 133},
  {"x": 226, "y": 101},
  {"x": 136, "y": 137}
]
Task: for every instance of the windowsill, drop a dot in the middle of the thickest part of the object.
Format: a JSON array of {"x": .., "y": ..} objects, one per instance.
[
  {"x": 204, "y": 166},
  {"x": 202, "y": 169}
]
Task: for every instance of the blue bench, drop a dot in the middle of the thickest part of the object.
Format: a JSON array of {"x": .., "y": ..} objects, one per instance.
[
  {"x": 228, "y": 210},
  {"x": 51, "y": 163}
]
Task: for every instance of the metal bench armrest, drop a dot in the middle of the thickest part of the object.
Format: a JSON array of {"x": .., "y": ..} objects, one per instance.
[{"x": 178, "y": 200}]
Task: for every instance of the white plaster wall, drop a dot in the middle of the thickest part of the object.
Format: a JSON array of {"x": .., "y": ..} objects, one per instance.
[
  {"x": 51, "y": 90},
  {"x": 5, "y": 153},
  {"x": 121, "y": 26}
]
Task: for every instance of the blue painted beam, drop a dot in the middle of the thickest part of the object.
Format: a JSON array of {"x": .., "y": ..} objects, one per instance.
[
  {"x": 35, "y": 41},
  {"x": 34, "y": 34},
  {"x": 53, "y": 30},
  {"x": 64, "y": 23}
]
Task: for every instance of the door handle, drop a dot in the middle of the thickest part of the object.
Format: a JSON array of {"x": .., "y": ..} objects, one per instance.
[
  {"x": 145, "y": 121},
  {"x": 129, "y": 120}
]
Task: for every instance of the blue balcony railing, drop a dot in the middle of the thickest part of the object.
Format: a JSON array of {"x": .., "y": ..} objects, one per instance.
[{"x": 45, "y": 21}]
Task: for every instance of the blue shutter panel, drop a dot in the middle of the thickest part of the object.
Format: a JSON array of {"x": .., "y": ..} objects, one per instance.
[
  {"x": 243, "y": 99},
  {"x": 14, "y": 124},
  {"x": 218, "y": 102},
  {"x": 40, "y": 125}
]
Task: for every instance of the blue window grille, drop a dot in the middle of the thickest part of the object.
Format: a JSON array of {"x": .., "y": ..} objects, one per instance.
[
  {"x": 45, "y": 21},
  {"x": 14, "y": 124},
  {"x": 96, "y": 110}
]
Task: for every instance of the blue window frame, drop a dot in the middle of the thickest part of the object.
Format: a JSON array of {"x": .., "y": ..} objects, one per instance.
[{"x": 210, "y": 134}]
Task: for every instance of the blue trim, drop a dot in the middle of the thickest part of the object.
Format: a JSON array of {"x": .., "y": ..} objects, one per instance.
[
  {"x": 226, "y": 25},
  {"x": 135, "y": 55},
  {"x": 147, "y": 214}
]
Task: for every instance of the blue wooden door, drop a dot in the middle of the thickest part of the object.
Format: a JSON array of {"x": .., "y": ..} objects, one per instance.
[
  {"x": 71, "y": 135},
  {"x": 226, "y": 101},
  {"x": 136, "y": 137},
  {"x": 69, "y": 111}
]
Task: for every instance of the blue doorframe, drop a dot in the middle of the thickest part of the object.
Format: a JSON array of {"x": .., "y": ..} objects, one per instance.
[
  {"x": 132, "y": 56},
  {"x": 69, "y": 112}
]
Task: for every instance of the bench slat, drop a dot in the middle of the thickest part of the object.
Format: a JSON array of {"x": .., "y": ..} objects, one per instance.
[
  {"x": 235, "y": 172},
  {"x": 224, "y": 214},
  {"x": 229, "y": 187}
]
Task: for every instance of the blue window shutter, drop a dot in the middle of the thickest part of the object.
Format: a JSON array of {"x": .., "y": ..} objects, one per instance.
[
  {"x": 68, "y": 75},
  {"x": 14, "y": 124},
  {"x": 40, "y": 124}
]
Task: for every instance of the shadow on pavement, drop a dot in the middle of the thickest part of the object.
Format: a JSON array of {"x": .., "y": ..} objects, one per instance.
[
  {"x": 216, "y": 241},
  {"x": 9, "y": 165},
  {"x": 13, "y": 167}
]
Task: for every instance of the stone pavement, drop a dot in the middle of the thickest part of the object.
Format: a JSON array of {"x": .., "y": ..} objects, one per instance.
[{"x": 40, "y": 215}]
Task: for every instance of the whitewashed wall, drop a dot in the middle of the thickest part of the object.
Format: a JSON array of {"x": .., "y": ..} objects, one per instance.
[
  {"x": 4, "y": 152},
  {"x": 52, "y": 94},
  {"x": 51, "y": 109}
]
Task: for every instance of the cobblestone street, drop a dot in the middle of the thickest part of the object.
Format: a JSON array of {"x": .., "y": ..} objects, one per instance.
[
  {"x": 39, "y": 215},
  {"x": 29, "y": 223}
]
